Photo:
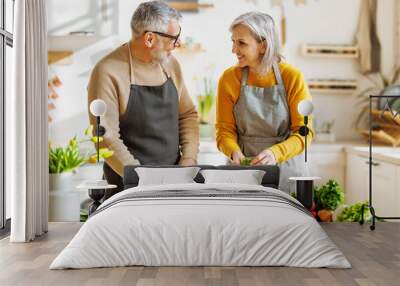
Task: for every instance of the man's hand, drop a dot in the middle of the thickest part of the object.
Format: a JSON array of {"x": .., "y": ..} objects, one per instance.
[
  {"x": 236, "y": 157},
  {"x": 266, "y": 157},
  {"x": 187, "y": 161}
]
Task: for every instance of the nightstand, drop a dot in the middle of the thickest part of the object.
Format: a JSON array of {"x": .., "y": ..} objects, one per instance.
[{"x": 96, "y": 190}]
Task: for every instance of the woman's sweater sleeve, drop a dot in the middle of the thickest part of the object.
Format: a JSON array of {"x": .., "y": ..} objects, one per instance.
[{"x": 226, "y": 134}]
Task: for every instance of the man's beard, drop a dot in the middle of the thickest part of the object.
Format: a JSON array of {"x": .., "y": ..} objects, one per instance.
[{"x": 160, "y": 56}]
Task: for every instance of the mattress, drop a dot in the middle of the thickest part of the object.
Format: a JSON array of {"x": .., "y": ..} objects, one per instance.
[{"x": 201, "y": 225}]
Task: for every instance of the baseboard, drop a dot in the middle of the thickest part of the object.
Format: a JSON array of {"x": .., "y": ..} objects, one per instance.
[{"x": 5, "y": 231}]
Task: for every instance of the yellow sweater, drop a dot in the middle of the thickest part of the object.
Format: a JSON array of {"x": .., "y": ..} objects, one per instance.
[{"x": 228, "y": 94}]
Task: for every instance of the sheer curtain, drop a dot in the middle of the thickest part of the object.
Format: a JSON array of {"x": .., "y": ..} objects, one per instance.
[{"x": 27, "y": 157}]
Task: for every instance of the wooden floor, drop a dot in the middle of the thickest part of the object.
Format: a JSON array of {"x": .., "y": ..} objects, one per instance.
[{"x": 374, "y": 255}]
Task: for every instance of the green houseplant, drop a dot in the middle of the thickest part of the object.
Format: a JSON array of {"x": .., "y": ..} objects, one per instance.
[
  {"x": 327, "y": 198},
  {"x": 205, "y": 104},
  {"x": 352, "y": 213},
  {"x": 64, "y": 160}
]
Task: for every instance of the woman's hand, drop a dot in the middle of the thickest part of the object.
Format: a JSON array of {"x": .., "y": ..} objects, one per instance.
[
  {"x": 236, "y": 157},
  {"x": 266, "y": 157}
]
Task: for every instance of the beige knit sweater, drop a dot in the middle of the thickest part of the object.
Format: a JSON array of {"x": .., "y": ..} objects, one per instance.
[{"x": 110, "y": 81}]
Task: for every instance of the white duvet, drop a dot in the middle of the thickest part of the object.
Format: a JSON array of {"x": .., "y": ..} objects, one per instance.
[{"x": 207, "y": 230}]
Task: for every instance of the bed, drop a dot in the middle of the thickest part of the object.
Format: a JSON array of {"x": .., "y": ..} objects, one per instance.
[{"x": 201, "y": 224}]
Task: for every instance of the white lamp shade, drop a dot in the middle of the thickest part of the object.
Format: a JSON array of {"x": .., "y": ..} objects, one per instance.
[
  {"x": 305, "y": 107},
  {"x": 98, "y": 107}
]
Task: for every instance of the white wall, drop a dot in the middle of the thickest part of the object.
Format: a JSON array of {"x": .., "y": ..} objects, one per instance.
[{"x": 316, "y": 22}]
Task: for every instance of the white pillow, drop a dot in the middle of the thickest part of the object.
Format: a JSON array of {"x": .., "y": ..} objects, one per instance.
[
  {"x": 163, "y": 176},
  {"x": 248, "y": 177}
]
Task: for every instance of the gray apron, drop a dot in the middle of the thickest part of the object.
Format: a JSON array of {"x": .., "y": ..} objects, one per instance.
[
  {"x": 263, "y": 119},
  {"x": 150, "y": 126}
]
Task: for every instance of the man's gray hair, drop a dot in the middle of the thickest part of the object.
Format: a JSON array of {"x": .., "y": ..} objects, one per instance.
[
  {"x": 263, "y": 28},
  {"x": 152, "y": 16}
]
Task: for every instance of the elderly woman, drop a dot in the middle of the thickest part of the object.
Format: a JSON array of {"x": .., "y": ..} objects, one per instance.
[{"x": 257, "y": 101}]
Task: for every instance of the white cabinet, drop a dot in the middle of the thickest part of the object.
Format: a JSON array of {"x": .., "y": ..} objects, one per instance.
[
  {"x": 98, "y": 17},
  {"x": 356, "y": 187},
  {"x": 385, "y": 184},
  {"x": 210, "y": 155},
  {"x": 385, "y": 189},
  {"x": 328, "y": 165}
]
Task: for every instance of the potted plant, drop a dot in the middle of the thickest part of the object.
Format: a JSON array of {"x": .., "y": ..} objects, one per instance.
[
  {"x": 352, "y": 213},
  {"x": 324, "y": 132},
  {"x": 63, "y": 161},
  {"x": 205, "y": 105},
  {"x": 327, "y": 198}
]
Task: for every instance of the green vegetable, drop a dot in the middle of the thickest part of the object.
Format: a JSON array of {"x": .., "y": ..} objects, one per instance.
[
  {"x": 329, "y": 196},
  {"x": 83, "y": 215},
  {"x": 245, "y": 161},
  {"x": 206, "y": 100},
  {"x": 353, "y": 212}
]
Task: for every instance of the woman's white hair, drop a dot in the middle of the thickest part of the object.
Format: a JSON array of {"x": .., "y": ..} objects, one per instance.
[
  {"x": 262, "y": 26},
  {"x": 152, "y": 16}
]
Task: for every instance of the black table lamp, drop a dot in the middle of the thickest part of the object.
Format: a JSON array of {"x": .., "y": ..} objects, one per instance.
[
  {"x": 97, "y": 188},
  {"x": 98, "y": 108},
  {"x": 305, "y": 108},
  {"x": 305, "y": 185}
]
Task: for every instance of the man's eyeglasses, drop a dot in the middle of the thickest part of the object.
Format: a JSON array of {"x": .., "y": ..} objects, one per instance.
[{"x": 175, "y": 38}]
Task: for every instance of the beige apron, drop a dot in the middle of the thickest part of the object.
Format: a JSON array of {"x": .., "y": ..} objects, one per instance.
[{"x": 263, "y": 119}]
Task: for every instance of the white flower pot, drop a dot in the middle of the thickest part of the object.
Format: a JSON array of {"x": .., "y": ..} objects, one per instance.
[
  {"x": 61, "y": 181},
  {"x": 325, "y": 137},
  {"x": 206, "y": 131}
]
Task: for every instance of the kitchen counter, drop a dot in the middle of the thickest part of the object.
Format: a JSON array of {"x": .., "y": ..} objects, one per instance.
[
  {"x": 382, "y": 153},
  {"x": 379, "y": 152},
  {"x": 335, "y": 146},
  {"x": 358, "y": 147},
  {"x": 209, "y": 145}
]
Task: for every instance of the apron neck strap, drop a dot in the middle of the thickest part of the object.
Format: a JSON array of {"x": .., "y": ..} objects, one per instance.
[
  {"x": 277, "y": 73},
  {"x": 245, "y": 76},
  {"x": 164, "y": 70},
  {"x": 131, "y": 66},
  {"x": 275, "y": 68}
]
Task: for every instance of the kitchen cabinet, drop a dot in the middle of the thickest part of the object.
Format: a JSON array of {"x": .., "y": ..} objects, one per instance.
[
  {"x": 385, "y": 189},
  {"x": 356, "y": 186},
  {"x": 78, "y": 24},
  {"x": 385, "y": 184},
  {"x": 327, "y": 164},
  {"x": 210, "y": 155}
]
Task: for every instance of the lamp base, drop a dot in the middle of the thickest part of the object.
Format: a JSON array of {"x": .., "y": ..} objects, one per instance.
[
  {"x": 304, "y": 190},
  {"x": 305, "y": 194},
  {"x": 96, "y": 195}
]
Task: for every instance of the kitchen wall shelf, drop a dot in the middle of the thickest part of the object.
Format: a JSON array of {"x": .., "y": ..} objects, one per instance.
[
  {"x": 71, "y": 42},
  {"x": 188, "y": 6},
  {"x": 62, "y": 47},
  {"x": 195, "y": 48},
  {"x": 334, "y": 86},
  {"x": 329, "y": 51},
  {"x": 58, "y": 56}
]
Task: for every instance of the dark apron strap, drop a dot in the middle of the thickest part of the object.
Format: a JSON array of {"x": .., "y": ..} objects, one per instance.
[{"x": 131, "y": 66}]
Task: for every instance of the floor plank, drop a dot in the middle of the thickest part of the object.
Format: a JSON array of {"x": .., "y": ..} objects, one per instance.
[{"x": 374, "y": 255}]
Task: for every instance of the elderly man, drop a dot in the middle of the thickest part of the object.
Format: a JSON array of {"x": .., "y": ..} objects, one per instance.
[{"x": 150, "y": 117}]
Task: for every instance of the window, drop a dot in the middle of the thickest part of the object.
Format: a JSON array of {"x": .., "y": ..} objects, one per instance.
[{"x": 6, "y": 44}]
